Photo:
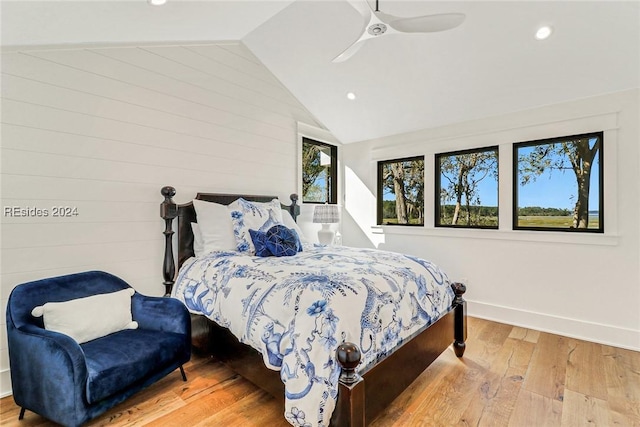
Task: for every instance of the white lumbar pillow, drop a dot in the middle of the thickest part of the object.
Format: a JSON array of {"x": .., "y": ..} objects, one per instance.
[{"x": 85, "y": 319}]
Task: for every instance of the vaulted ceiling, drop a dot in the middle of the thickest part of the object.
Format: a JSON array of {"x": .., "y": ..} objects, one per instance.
[{"x": 490, "y": 65}]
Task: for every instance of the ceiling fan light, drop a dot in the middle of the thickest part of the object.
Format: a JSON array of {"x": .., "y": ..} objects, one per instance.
[
  {"x": 543, "y": 32},
  {"x": 157, "y": 2},
  {"x": 351, "y": 96}
]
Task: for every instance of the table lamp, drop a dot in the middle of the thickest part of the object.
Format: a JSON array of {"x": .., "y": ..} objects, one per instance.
[{"x": 326, "y": 215}]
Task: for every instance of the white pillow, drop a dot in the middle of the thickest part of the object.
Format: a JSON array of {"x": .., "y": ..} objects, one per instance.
[
  {"x": 88, "y": 318},
  {"x": 198, "y": 243},
  {"x": 247, "y": 215},
  {"x": 288, "y": 222},
  {"x": 215, "y": 226}
]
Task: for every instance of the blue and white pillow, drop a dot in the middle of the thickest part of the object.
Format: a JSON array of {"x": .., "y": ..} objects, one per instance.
[
  {"x": 259, "y": 239},
  {"x": 246, "y": 215},
  {"x": 298, "y": 239},
  {"x": 277, "y": 241},
  {"x": 282, "y": 241}
]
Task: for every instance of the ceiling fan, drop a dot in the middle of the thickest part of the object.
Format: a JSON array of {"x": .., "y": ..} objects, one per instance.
[{"x": 381, "y": 24}]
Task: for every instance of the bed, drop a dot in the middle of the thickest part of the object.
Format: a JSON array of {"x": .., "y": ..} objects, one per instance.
[{"x": 313, "y": 351}]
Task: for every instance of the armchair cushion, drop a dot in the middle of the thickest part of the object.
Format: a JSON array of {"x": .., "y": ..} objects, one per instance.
[
  {"x": 88, "y": 318},
  {"x": 126, "y": 357}
]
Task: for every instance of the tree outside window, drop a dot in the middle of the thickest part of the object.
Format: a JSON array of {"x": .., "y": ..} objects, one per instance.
[
  {"x": 401, "y": 191},
  {"x": 558, "y": 184},
  {"x": 467, "y": 188},
  {"x": 319, "y": 172}
]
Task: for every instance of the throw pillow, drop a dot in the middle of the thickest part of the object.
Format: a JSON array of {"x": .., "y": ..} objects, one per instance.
[
  {"x": 297, "y": 237},
  {"x": 259, "y": 239},
  {"x": 282, "y": 241},
  {"x": 215, "y": 226},
  {"x": 198, "y": 242},
  {"x": 246, "y": 215},
  {"x": 287, "y": 220},
  {"x": 88, "y": 318}
]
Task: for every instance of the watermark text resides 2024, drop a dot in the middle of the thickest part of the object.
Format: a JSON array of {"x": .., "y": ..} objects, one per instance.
[{"x": 36, "y": 212}]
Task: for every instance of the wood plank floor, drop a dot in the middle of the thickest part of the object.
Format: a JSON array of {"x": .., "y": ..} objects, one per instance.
[{"x": 509, "y": 376}]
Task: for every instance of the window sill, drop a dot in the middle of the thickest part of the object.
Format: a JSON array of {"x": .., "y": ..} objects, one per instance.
[{"x": 508, "y": 235}]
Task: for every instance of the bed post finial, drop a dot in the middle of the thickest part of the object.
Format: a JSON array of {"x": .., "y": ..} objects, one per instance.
[
  {"x": 460, "y": 319},
  {"x": 168, "y": 211},
  {"x": 350, "y": 407},
  {"x": 348, "y": 355},
  {"x": 294, "y": 209}
]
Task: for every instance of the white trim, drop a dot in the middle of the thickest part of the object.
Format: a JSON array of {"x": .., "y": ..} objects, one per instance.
[
  {"x": 317, "y": 133},
  {"x": 572, "y": 328},
  {"x": 5, "y": 380},
  {"x": 578, "y": 238}
]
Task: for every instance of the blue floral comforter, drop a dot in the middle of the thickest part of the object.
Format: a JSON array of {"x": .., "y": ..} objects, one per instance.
[{"x": 296, "y": 310}]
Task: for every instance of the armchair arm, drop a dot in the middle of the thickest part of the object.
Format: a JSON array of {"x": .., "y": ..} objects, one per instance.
[
  {"x": 161, "y": 314},
  {"x": 50, "y": 359}
]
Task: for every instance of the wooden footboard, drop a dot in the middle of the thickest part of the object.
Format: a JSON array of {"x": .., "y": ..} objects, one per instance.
[{"x": 362, "y": 398}]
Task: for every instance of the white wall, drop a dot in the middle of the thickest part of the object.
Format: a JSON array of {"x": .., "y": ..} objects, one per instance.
[
  {"x": 586, "y": 286},
  {"x": 103, "y": 129}
]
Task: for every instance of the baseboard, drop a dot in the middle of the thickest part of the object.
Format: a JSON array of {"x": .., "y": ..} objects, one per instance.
[
  {"x": 573, "y": 328},
  {"x": 5, "y": 383}
]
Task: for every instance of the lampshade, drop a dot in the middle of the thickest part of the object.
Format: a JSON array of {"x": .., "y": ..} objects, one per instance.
[{"x": 326, "y": 214}]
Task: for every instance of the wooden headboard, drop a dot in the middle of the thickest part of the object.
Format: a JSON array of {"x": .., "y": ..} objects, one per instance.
[{"x": 186, "y": 214}]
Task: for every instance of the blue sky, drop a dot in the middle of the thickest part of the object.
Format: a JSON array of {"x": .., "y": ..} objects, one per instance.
[
  {"x": 487, "y": 190},
  {"x": 558, "y": 189}
]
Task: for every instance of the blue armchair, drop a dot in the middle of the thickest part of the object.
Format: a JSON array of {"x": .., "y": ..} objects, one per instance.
[{"x": 70, "y": 383}]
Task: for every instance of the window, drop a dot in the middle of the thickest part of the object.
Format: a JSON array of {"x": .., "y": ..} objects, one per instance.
[
  {"x": 557, "y": 184},
  {"x": 319, "y": 172},
  {"x": 467, "y": 188},
  {"x": 401, "y": 191}
]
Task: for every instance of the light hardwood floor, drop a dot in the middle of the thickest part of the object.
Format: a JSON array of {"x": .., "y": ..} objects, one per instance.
[{"x": 509, "y": 376}]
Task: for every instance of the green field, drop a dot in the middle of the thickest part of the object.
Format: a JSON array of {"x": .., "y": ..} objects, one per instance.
[
  {"x": 552, "y": 221},
  {"x": 391, "y": 221}
]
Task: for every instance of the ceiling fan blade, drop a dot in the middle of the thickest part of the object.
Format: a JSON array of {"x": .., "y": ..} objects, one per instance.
[
  {"x": 350, "y": 51},
  {"x": 427, "y": 23}
]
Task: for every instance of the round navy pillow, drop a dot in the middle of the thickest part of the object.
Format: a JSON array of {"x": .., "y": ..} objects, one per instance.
[{"x": 281, "y": 241}]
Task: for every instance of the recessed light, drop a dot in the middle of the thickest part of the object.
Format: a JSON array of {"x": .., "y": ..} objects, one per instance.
[
  {"x": 157, "y": 2},
  {"x": 543, "y": 32},
  {"x": 351, "y": 96}
]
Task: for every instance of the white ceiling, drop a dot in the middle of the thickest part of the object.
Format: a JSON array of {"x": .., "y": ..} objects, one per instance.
[
  {"x": 53, "y": 22},
  {"x": 490, "y": 65}
]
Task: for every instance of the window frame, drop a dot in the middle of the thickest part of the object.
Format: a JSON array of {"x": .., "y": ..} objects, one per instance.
[
  {"x": 438, "y": 183},
  {"x": 333, "y": 171},
  {"x": 600, "y": 183},
  {"x": 380, "y": 191}
]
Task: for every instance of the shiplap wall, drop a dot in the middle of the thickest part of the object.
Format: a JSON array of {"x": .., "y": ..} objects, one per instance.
[{"x": 103, "y": 129}]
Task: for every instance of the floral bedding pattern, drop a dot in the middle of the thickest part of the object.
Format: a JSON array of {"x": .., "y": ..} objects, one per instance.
[{"x": 296, "y": 310}]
